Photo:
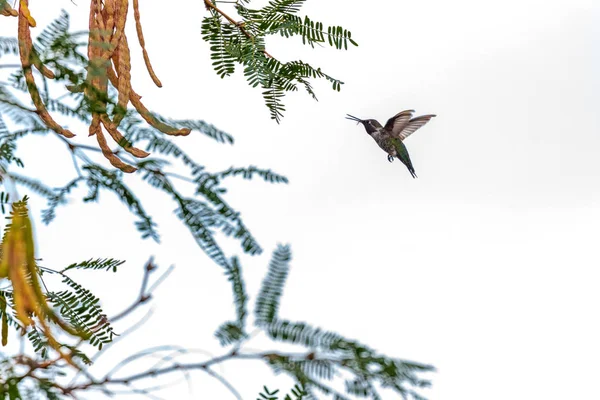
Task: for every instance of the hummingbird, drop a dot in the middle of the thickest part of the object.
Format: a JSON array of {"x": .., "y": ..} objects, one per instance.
[{"x": 391, "y": 136}]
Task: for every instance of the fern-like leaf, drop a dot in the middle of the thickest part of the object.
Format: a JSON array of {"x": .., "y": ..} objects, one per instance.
[
  {"x": 267, "y": 302},
  {"x": 39, "y": 342},
  {"x": 9, "y": 45},
  {"x": 234, "y": 275},
  {"x": 297, "y": 393},
  {"x": 230, "y": 332},
  {"x": 249, "y": 172},
  {"x": 81, "y": 308},
  {"x": 54, "y": 31},
  {"x": 201, "y": 126},
  {"x": 106, "y": 264},
  {"x": 101, "y": 178},
  {"x": 303, "y": 334},
  {"x": 33, "y": 184},
  {"x": 58, "y": 197}
]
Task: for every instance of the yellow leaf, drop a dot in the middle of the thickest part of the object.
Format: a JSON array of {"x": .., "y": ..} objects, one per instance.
[{"x": 27, "y": 14}]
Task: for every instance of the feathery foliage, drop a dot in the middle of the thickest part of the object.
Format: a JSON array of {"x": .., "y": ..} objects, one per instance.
[
  {"x": 234, "y": 331},
  {"x": 39, "y": 342},
  {"x": 297, "y": 393},
  {"x": 249, "y": 172},
  {"x": 81, "y": 309},
  {"x": 368, "y": 366},
  {"x": 107, "y": 264},
  {"x": 230, "y": 332},
  {"x": 8, "y": 46},
  {"x": 58, "y": 197},
  {"x": 99, "y": 177},
  {"x": 267, "y": 302},
  {"x": 244, "y": 42},
  {"x": 329, "y": 353},
  {"x": 234, "y": 275}
]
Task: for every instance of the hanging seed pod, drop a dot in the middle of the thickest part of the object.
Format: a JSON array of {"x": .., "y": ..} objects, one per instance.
[
  {"x": 25, "y": 52},
  {"x": 109, "y": 62}
]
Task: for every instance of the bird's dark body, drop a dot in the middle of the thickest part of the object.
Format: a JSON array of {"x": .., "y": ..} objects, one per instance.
[
  {"x": 385, "y": 141},
  {"x": 390, "y": 137},
  {"x": 394, "y": 147}
]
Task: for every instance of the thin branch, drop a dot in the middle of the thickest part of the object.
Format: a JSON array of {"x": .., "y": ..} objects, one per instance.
[
  {"x": 144, "y": 295},
  {"x": 225, "y": 383},
  {"x": 240, "y": 25},
  {"x": 161, "y": 279},
  {"x": 74, "y": 158},
  {"x": 124, "y": 334},
  {"x": 153, "y": 373}
]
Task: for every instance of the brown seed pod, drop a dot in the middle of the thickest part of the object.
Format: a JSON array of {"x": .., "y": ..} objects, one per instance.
[
  {"x": 25, "y": 52},
  {"x": 140, "y": 35},
  {"x": 96, "y": 129},
  {"x": 109, "y": 62}
]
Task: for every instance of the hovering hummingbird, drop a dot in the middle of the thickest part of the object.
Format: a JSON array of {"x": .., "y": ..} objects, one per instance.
[{"x": 391, "y": 136}]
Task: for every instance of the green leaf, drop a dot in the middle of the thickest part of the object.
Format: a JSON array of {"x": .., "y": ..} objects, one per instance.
[
  {"x": 95, "y": 264},
  {"x": 99, "y": 177},
  {"x": 81, "y": 308},
  {"x": 267, "y": 302}
]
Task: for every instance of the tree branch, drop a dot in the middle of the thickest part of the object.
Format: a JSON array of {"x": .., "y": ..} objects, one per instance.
[{"x": 240, "y": 25}]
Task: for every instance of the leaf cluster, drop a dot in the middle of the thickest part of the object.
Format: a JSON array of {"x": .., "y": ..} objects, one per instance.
[
  {"x": 25, "y": 306},
  {"x": 328, "y": 354},
  {"x": 244, "y": 43}
]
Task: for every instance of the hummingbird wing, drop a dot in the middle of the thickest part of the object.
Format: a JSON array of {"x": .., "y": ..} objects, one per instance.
[
  {"x": 398, "y": 121},
  {"x": 413, "y": 125}
]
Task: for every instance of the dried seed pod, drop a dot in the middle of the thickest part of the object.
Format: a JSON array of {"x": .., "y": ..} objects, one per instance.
[
  {"x": 135, "y": 100},
  {"x": 120, "y": 139},
  {"x": 140, "y": 35},
  {"x": 24, "y": 10},
  {"x": 109, "y": 61},
  {"x": 122, "y": 62},
  {"x": 25, "y": 50},
  {"x": 37, "y": 62},
  {"x": 8, "y": 11},
  {"x": 106, "y": 151}
]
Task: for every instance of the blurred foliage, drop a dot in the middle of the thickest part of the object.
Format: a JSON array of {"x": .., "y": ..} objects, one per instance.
[{"x": 298, "y": 393}]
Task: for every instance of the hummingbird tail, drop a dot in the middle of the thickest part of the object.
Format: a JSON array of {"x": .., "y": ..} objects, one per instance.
[{"x": 406, "y": 161}]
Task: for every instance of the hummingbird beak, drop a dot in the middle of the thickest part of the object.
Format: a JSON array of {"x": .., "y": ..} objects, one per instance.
[{"x": 353, "y": 118}]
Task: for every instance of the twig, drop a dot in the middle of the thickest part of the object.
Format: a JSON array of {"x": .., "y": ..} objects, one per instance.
[
  {"x": 225, "y": 383},
  {"x": 161, "y": 279},
  {"x": 153, "y": 373},
  {"x": 144, "y": 295},
  {"x": 210, "y": 6}
]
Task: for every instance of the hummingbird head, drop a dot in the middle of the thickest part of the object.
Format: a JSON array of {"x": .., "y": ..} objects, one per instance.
[{"x": 371, "y": 125}]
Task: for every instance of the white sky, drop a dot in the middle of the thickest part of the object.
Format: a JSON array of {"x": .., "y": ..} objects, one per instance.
[{"x": 486, "y": 266}]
